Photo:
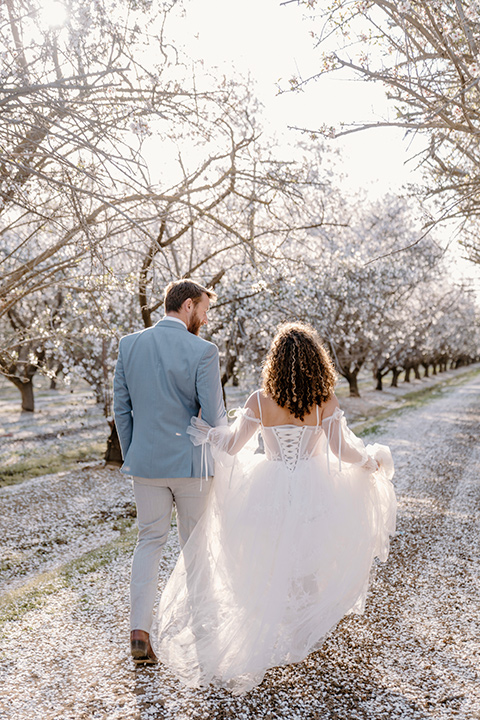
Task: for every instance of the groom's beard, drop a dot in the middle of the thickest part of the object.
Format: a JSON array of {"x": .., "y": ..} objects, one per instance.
[{"x": 194, "y": 324}]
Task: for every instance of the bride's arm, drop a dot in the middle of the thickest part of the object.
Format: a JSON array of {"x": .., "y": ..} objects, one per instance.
[
  {"x": 341, "y": 440},
  {"x": 229, "y": 439}
]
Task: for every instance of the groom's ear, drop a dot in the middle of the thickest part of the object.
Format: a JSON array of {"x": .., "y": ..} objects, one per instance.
[{"x": 188, "y": 304}]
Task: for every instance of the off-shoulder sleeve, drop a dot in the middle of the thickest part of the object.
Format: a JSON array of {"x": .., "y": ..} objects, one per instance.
[
  {"x": 225, "y": 439},
  {"x": 345, "y": 444}
]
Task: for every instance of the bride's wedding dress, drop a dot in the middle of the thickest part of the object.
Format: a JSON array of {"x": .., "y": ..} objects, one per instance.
[{"x": 281, "y": 554}]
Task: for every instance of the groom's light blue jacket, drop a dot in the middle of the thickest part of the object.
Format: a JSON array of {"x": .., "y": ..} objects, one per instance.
[{"x": 163, "y": 376}]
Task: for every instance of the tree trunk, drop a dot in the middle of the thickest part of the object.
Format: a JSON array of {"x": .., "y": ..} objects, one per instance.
[
  {"x": 107, "y": 396},
  {"x": 113, "y": 454},
  {"x": 379, "y": 376},
  {"x": 395, "y": 373},
  {"x": 22, "y": 371},
  {"x": 351, "y": 376},
  {"x": 353, "y": 385},
  {"x": 417, "y": 372},
  {"x": 408, "y": 370},
  {"x": 434, "y": 368},
  {"x": 229, "y": 367},
  {"x": 425, "y": 365},
  {"x": 26, "y": 390},
  {"x": 28, "y": 402}
]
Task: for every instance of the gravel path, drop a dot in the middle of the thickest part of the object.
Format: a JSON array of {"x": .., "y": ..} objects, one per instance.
[{"x": 414, "y": 655}]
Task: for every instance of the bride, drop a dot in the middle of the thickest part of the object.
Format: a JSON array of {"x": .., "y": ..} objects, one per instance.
[{"x": 285, "y": 546}]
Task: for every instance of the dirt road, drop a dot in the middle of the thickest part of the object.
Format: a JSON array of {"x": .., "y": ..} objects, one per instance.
[{"x": 414, "y": 655}]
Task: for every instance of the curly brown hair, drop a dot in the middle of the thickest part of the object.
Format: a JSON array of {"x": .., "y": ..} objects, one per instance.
[{"x": 298, "y": 372}]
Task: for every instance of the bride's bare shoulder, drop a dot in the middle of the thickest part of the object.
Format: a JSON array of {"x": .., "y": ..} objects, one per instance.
[
  {"x": 329, "y": 407},
  {"x": 268, "y": 404}
]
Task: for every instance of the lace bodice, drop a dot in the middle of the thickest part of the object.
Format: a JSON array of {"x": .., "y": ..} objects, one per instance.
[
  {"x": 289, "y": 443},
  {"x": 285, "y": 443}
]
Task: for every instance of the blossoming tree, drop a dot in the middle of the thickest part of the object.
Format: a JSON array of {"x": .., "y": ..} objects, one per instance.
[{"x": 426, "y": 53}]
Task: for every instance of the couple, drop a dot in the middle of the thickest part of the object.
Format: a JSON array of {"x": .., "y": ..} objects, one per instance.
[{"x": 278, "y": 547}]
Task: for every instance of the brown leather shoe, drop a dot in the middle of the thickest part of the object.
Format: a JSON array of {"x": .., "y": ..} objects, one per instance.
[{"x": 142, "y": 652}]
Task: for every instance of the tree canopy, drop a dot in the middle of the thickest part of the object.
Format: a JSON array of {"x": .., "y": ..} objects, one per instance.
[{"x": 426, "y": 55}]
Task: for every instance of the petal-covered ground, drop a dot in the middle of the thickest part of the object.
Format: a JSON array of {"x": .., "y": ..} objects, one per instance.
[{"x": 67, "y": 540}]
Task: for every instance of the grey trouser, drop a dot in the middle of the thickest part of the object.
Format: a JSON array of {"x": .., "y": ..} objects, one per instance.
[{"x": 155, "y": 499}]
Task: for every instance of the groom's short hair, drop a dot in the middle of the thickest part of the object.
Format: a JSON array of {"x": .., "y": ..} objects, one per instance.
[{"x": 180, "y": 290}]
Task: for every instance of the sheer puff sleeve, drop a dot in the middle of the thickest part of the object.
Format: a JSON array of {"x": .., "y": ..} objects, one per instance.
[
  {"x": 225, "y": 440},
  {"x": 347, "y": 447}
]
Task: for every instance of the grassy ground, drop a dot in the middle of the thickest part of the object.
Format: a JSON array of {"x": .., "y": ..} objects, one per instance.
[
  {"x": 67, "y": 428},
  {"x": 33, "y": 595},
  {"x": 40, "y": 463}
]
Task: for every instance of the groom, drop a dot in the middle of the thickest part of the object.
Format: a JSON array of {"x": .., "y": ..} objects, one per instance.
[{"x": 165, "y": 375}]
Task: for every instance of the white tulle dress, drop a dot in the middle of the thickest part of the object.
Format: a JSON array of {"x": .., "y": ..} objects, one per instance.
[{"x": 282, "y": 552}]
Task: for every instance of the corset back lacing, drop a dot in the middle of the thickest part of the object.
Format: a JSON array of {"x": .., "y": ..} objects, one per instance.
[{"x": 289, "y": 439}]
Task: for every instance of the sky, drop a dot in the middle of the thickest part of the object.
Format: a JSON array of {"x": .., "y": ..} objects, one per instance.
[{"x": 271, "y": 42}]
